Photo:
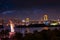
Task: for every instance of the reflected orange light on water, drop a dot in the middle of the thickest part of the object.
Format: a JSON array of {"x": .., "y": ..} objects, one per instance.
[{"x": 11, "y": 26}]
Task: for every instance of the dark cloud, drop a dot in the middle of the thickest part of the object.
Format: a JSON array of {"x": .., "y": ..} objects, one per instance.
[
  {"x": 18, "y": 4},
  {"x": 29, "y": 8}
]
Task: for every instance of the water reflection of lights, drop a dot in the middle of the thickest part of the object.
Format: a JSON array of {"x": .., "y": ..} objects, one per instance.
[{"x": 11, "y": 26}]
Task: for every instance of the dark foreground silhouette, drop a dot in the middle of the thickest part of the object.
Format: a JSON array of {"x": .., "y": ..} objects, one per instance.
[{"x": 41, "y": 35}]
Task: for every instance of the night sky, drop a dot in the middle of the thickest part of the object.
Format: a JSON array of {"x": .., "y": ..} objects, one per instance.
[{"x": 34, "y": 9}]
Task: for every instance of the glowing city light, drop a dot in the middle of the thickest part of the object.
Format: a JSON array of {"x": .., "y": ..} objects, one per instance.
[
  {"x": 54, "y": 24},
  {"x": 23, "y": 20},
  {"x": 45, "y": 28},
  {"x": 11, "y": 26},
  {"x": 27, "y": 19},
  {"x": 45, "y": 17}
]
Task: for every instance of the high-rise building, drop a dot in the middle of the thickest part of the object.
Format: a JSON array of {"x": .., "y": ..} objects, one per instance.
[
  {"x": 23, "y": 22},
  {"x": 45, "y": 17},
  {"x": 58, "y": 21},
  {"x": 27, "y": 20}
]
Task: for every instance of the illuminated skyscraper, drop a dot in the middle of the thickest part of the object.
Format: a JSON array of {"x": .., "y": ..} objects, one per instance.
[
  {"x": 45, "y": 17},
  {"x": 23, "y": 22},
  {"x": 27, "y": 21}
]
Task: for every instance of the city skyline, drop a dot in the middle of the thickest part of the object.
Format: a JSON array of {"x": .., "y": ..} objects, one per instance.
[{"x": 50, "y": 17}]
